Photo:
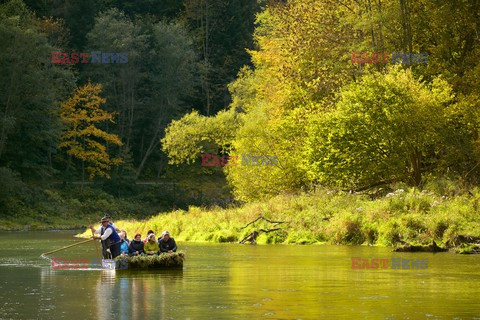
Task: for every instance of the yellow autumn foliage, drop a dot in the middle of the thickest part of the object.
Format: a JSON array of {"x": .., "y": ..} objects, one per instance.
[{"x": 82, "y": 139}]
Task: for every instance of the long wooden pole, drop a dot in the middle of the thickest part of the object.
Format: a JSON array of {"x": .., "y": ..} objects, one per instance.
[
  {"x": 96, "y": 244},
  {"x": 72, "y": 245}
]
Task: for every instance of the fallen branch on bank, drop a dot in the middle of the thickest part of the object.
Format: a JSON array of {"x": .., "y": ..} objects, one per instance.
[
  {"x": 263, "y": 218},
  {"x": 270, "y": 230},
  {"x": 252, "y": 237}
]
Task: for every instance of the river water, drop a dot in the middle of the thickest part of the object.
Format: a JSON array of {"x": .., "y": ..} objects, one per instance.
[{"x": 231, "y": 281}]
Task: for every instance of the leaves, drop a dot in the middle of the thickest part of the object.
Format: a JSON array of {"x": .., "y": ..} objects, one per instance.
[
  {"x": 83, "y": 139},
  {"x": 384, "y": 128}
]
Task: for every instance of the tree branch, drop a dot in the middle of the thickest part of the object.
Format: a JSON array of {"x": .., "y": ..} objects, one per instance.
[{"x": 263, "y": 218}]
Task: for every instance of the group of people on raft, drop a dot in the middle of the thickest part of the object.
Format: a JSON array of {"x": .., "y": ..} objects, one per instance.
[{"x": 116, "y": 243}]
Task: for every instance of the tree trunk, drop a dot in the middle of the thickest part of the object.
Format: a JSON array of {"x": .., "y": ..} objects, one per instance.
[
  {"x": 83, "y": 174},
  {"x": 204, "y": 27},
  {"x": 372, "y": 31},
  {"x": 406, "y": 26},
  {"x": 130, "y": 120},
  {"x": 83, "y": 168},
  {"x": 381, "y": 45},
  {"x": 415, "y": 164},
  {"x": 153, "y": 144}
]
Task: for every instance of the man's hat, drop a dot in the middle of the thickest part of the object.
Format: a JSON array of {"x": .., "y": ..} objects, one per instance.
[
  {"x": 165, "y": 233},
  {"x": 105, "y": 219}
]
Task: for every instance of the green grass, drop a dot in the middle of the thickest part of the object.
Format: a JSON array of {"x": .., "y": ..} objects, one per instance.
[{"x": 412, "y": 216}]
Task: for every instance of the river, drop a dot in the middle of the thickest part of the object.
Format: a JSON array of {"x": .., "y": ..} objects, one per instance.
[{"x": 231, "y": 281}]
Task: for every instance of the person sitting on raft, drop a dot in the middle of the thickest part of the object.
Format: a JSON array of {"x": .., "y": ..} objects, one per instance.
[
  {"x": 125, "y": 243},
  {"x": 166, "y": 243},
  {"x": 151, "y": 247},
  {"x": 148, "y": 235},
  {"x": 136, "y": 246},
  {"x": 111, "y": 238}
]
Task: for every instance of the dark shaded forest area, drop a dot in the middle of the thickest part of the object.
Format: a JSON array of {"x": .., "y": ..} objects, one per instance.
[{"x": 181, "y": 56}]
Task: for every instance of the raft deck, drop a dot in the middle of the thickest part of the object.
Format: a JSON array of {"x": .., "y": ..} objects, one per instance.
[{"x": 145, "y": 262}]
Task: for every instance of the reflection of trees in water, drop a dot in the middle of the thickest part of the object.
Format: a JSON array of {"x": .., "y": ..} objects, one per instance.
[
  {"x": 65, "y": 294},
  {"x": 105, "y": 290},
  {"x": 135, "y": 295}
]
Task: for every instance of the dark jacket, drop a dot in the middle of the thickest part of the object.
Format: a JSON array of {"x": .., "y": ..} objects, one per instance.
[
  {"x": 135, "y": 246},
  {"x": 166, "y": 246}
]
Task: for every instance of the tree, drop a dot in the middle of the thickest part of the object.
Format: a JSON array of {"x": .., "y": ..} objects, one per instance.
[
  {"x": 299, "y": 64},
  {"x": 121, "y": 82},
  {"x": 170, "y": 82},
  {"x": 385, "y": 127},
  {"x": 221, "y": 30},
  {"x": 77, "y": 16},
  {"x": 82, "y": 138},
  {"x": 187, "y": 138},
  {"x": 31, "y": 88}
]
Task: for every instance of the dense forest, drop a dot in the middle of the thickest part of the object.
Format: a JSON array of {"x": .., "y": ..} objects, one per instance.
[
  {"x": 58, "y": 154},
  {"x": 339, "y": 124},
  {"x": 231, "y": 78}
]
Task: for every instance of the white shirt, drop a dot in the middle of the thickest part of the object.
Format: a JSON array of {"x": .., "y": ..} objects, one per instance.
[
  {"x": 107, "y": 232},
  {"x": 100, "y": 227}
]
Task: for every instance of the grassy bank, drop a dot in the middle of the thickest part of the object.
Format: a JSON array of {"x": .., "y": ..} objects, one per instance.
[
  {"x": 66, "y": 208},
  {"x": 403, "y": 215},
  {"x": 57, "y": 206}
]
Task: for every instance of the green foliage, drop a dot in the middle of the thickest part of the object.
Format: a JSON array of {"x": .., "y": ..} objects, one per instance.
[
  {"x": 164, "y": 260},
  {"x": 257, "y": 138},
  {"x": 25, "y": 207},
  {"x": 221, "y": 31},
  {"x": 326, "y": 216},
  {"x": 384, "y": 128},
  {"x": 31, "y": 89},
  {"x": 329, "y": 121},
  {"x": 158, "y": 79},
  {"x": 346, "y": 229},
  {"x": 187, "y": 138},
  {"x": 12, "y": 193}
]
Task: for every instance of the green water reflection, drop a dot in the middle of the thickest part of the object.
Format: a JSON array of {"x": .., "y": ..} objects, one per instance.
[{"x": 227, "y": 281}]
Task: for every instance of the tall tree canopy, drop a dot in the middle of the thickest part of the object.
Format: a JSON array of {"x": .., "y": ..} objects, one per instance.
[
  {"x": 31, "y": 89},
  {"x": 334, "y": 122}
]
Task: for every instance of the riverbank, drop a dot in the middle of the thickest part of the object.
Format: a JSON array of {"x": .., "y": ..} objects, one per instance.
[
  {"x": 402, "y": 216},
  {"x": 71, "y": 206},
  {"x": 50, "y": 223}
]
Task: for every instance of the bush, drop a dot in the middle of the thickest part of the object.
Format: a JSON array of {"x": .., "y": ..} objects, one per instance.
[{"x": 12, "y": 193}]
